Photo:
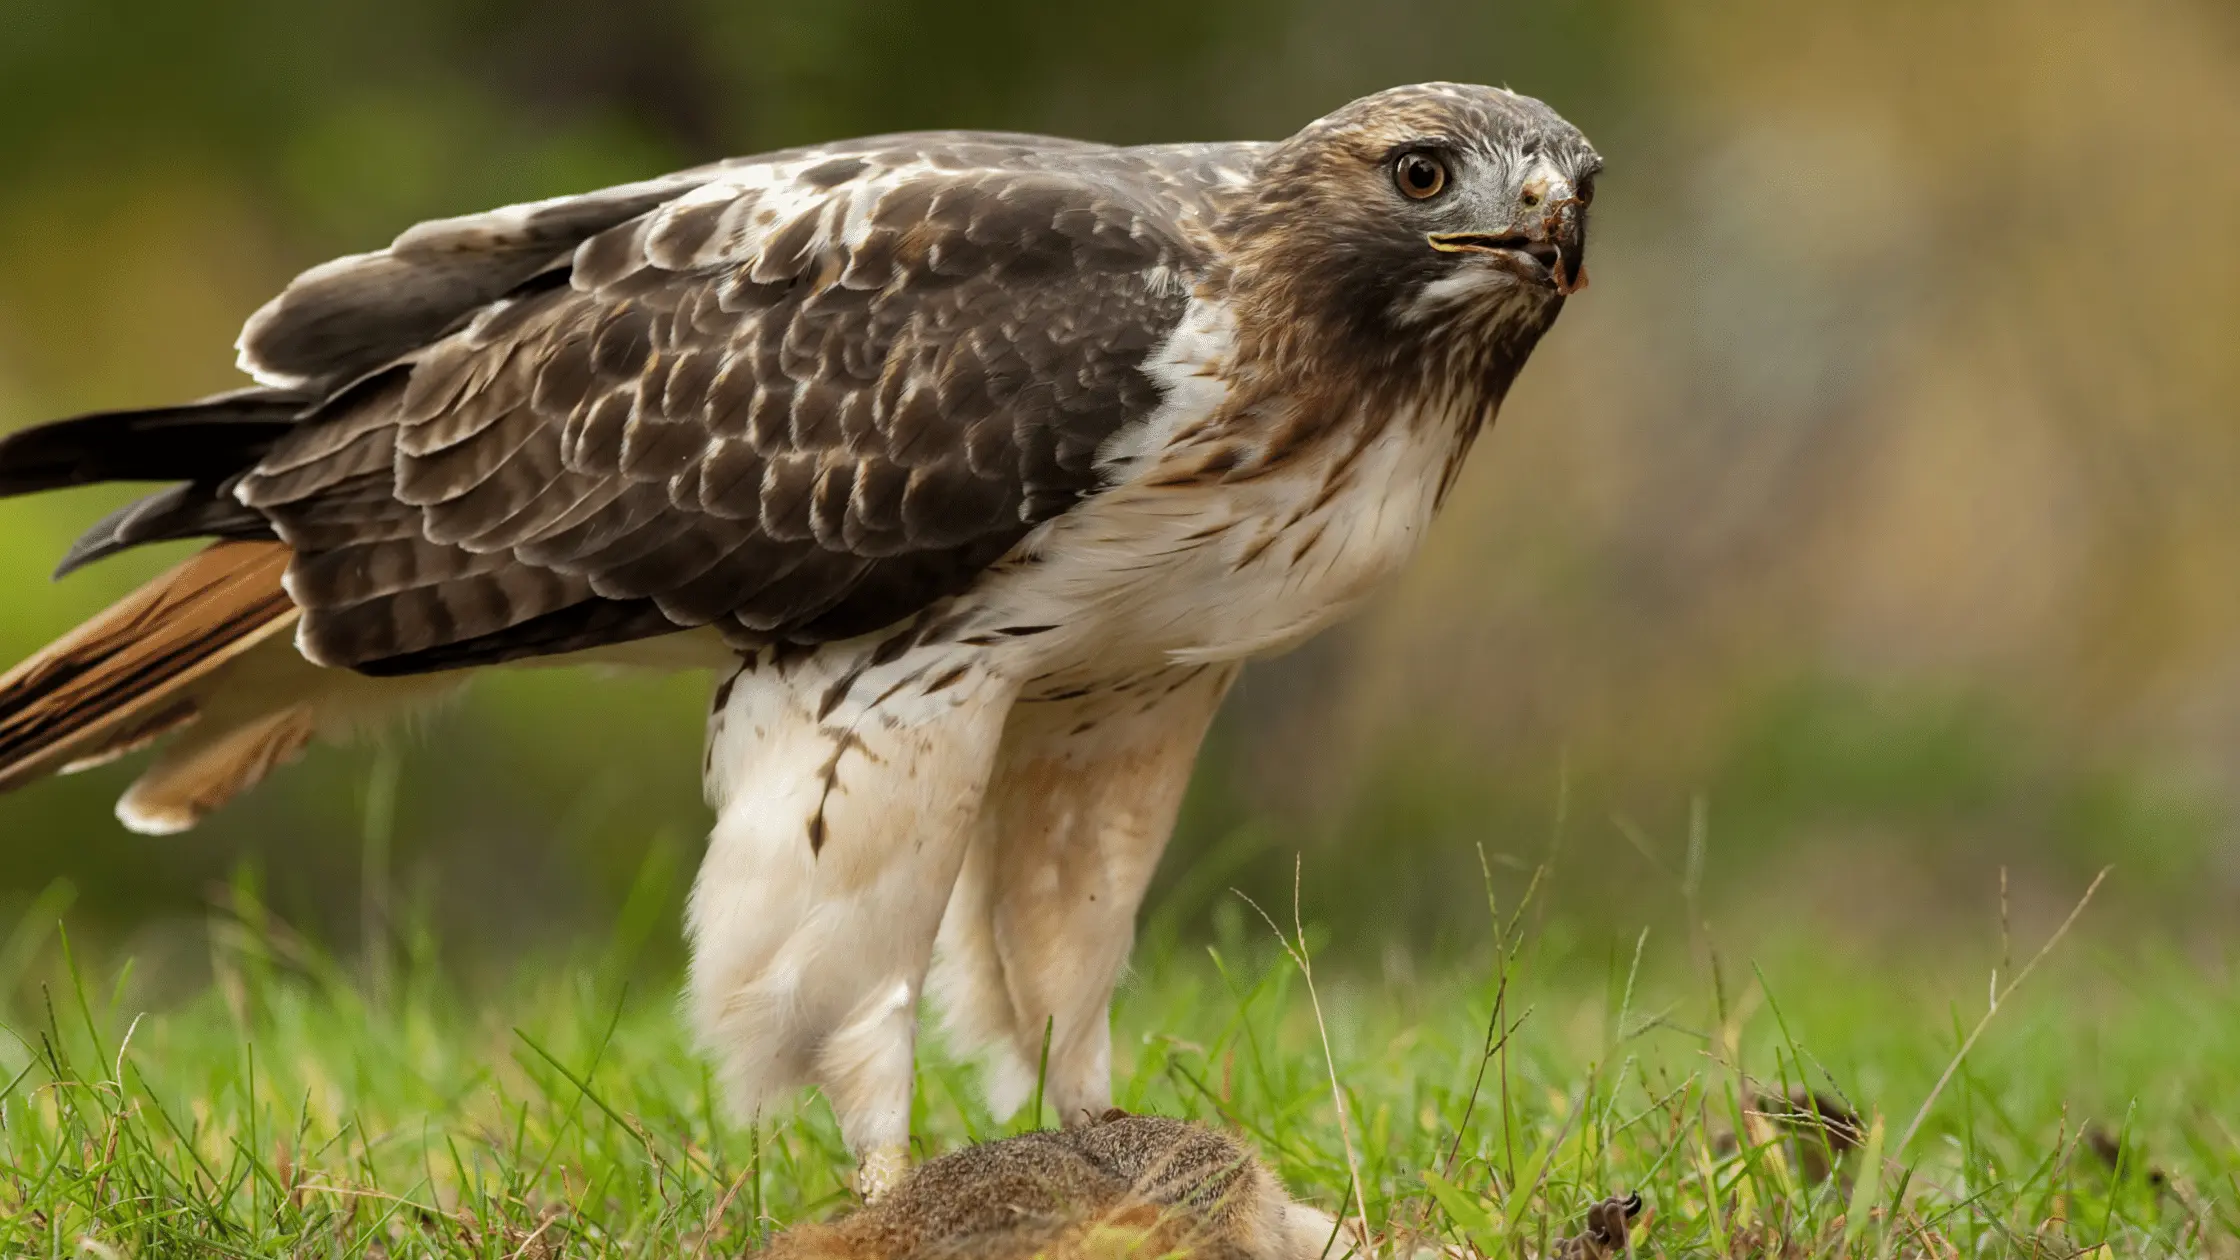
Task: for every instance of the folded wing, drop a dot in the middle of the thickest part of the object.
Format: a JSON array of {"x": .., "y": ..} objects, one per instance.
[{"x": 796, "y": 399}]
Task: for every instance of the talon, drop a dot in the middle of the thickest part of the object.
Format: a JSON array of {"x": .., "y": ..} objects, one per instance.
[{"x": 882, "y": 1169}]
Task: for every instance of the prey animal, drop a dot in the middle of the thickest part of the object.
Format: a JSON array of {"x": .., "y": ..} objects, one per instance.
[
  {"x": 1115, "y": 1185},
  {"x": 974, "y": 464}
]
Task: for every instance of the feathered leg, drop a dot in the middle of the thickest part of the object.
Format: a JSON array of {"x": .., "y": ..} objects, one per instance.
[
  {"x": 845, "y": 792},
  {"x": 1082, "y": 802}
]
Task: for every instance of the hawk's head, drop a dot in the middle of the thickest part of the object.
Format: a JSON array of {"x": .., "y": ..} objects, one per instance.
[{"x": 1438, "y": 224}]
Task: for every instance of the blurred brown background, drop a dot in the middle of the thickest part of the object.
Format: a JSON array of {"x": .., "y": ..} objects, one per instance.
[{"x": 1878, "y": 509}]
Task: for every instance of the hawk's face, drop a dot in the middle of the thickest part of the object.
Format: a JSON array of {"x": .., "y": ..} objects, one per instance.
[{"x": 1439, "y": 223}]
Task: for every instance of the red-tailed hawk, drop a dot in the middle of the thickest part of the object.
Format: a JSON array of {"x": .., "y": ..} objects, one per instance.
[{"x": 974, "y": 463}]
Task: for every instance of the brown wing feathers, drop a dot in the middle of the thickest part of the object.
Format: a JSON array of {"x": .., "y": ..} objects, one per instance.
[
  {"x": 769, "y": 428},
  {"x": 206, "y": 440}
]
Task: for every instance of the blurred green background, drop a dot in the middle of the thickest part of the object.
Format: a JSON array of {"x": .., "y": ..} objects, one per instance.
[{"x": 1874, "y": 520}]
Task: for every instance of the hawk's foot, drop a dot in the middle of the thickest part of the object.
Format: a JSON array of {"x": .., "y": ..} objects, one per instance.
[{"x": 881, "y": 1169}]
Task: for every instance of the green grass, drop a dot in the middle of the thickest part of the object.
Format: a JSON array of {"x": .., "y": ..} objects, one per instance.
[{"x": 302, "y": 1107}]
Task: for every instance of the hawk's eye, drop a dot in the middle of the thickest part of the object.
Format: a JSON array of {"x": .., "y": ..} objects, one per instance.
[{"x": 1420, "y": 175}]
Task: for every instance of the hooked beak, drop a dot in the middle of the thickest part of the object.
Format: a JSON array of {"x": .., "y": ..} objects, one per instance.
[{"x": 1550, "y": 250}]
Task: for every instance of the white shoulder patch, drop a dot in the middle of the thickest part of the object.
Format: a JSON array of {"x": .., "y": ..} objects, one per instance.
[{"x": 1192, "y": 367}]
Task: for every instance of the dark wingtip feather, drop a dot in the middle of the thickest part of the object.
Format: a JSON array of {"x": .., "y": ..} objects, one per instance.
[
  {"x": 210, "y": 439},
  {"x": 99, "y": 540},
  {"x": 191, "y": 509}
]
